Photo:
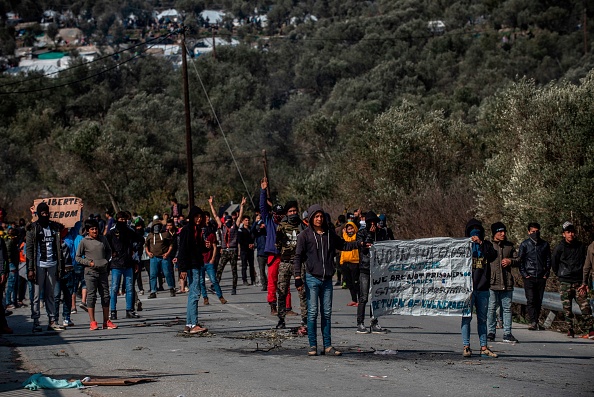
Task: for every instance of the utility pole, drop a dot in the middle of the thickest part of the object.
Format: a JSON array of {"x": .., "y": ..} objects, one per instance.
[
  {"x": 265, "y": 164},
  {"x": 189, "y": 156},
  {"x": 214, "y": 41},
  {"x": 585, "y": 27}
]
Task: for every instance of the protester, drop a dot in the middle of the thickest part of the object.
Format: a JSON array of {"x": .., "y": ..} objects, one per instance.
[
  {"x": 272, "y": 219},
  {"x": 316, "y": 247},
  {"x": 482, "y": 254},
  {"x": 4, "y": 328},
  {"x": 210, "y": 252},
  {"x": 43, "y": 265},
  {"x": 286, "y": 244},
  {"x": 94, "y": 254},
  {"x": 121, "y": 241},
  {"x": 259, "y": 233},
  {"x": 534, "y": 256},
  {"x": 568, "y": 261},
  {"x": 65, "y": 286},
  {"x": 229, "y": 244},
  {"x": 245, "y": 240},
  {"x": 159, "y": 248},
  {"x": 365, "y": 238},
  {"x": 501, "y": 284},
  {"x": 12, "y": 283},
  {"x": 349, "y": 263},
  {"x": 190, "y": 260},
  {"x": 587, "y": 275}
]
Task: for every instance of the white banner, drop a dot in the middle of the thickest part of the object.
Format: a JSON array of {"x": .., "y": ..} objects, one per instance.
[{"x": 424, "y": 277}]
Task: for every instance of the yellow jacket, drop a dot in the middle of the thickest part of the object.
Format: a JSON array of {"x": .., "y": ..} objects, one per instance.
[{"x": 349, "y": 256}]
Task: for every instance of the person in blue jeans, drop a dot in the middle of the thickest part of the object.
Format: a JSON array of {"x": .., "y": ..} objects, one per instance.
[
  {"x": 121, "y": 240},
  {"x": 190, "y": 260},
  {"x": 159, "y": 247},
  {"x": 64, "y": 287},
  {"x": 482, "y": 254},
  {"x": 316, "y": 248},
  {"x": 210, "y": 243}
]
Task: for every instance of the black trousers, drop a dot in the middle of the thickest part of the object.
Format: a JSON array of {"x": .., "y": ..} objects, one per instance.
[
  {"x": 247, "y": 260},
  {"x": 534, "y": 289}
]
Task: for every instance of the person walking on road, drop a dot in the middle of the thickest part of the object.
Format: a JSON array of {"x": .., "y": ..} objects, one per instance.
[
  {"x": 190, "y": 261},
  {"x": 94, "y": 254},
  {"x": 534, "y": 255},
  {"x": 568, "y": 261}
]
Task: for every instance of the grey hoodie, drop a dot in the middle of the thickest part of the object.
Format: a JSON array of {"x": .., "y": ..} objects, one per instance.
[
  {"x": 317, "y": 250},
  {"x": 96, "y": 250}
]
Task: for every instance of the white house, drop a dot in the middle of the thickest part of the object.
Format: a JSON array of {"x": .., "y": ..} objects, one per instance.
[{"x": 205, "y": 45}]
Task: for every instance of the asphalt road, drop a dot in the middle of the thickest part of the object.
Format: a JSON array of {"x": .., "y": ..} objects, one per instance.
[{"x": 243, "y": 356}]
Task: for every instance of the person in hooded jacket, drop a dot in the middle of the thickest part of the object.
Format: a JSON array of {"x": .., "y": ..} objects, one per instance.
[
  {"x": 349, "y": 263},
  {"x": 534, "y": 255},
  {"x": 159, "y": 248},
  {"x": 121, "y": 241},
  {"x": 190, "y": 261},
  {"x": 482, "y": 254},
  {"x": 316, "y": 247},
  {"x": 568, "y": 261},
  {"x": 365, "y": 238},
  {"x": 44, "y": 259}
]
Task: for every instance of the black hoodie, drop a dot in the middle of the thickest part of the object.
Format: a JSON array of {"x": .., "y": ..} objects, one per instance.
[
  {"x": 481, "y": 270},
  {"x": 191, "y": 244},
  {"x": 317, "y": 250}
]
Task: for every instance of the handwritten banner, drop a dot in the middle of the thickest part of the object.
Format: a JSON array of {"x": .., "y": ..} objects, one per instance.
[
  {"x": 424, "y": 277},
  {"x": 65, "y": 210}
]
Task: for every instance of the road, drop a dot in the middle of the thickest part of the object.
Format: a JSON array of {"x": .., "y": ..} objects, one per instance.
[{"x": 243, "y": 356}]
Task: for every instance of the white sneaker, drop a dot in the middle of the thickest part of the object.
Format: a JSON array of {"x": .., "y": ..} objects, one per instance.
[{"x": 67, "y": 323}]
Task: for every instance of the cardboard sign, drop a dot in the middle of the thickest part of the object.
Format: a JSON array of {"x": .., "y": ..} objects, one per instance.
[{"x": 64, "y": 210}]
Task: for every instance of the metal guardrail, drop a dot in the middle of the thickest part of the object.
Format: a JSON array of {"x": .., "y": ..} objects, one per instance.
[{"x": 551, "y": 301}]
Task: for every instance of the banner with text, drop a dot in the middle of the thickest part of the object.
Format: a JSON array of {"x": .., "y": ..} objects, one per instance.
[
  {"x": 424, "y": 277},
  {"x": 65, "y": 210}
]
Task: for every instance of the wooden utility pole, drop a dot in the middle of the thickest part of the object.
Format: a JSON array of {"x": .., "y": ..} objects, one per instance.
[
  {"x": 265, "y": 164},
  {"x": 214, "y": 41},
  {"x": 189, "y": 155},
  {"x": 585, "y": 27}
]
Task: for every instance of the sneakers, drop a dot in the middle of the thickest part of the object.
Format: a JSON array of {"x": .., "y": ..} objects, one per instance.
[
  {"x": 466, "y": 352},
  {"x": 172, "y": 292},
  {"x": 109, "y": 325},
  {"x": 139, "y": 306},
  {"x": 362, "y": 329},
  {"x": 510, "y": 338},
  {"x": 377, "y": 329},
  {"x": 223, "y": 300},
  {"x": 73, "y": 311},
  {"x": 570, "y": 333},
  {"x": 54, "y": 326},
  {"x": 291, "y": 313},
  {"x": 84, "y": 306},
  {"x": 234, "y": 291},
  {"x": 533, "y": 327},
  {"x": 197, "y": 330},
  {"x": 186, "y": 329},
  {"x": 94, "y": 326},
  {"x": 353, "y": 303},
  {"x": 152, "y": 295},
  {"x": 264, "y": 288},
  {"x": 281, "y": 324},
  {"x": 37, "y": 328},
  {"x": 206, "y": 302},
  {"x": 68, "y": 323},
  {"x": 344, "y": 286},
  {"x": 591, "y": 334},
  {"x": 486, "y": 352},
  {"x": 491, "y": 337},
  {"x": 113, "y": 315},
  {"x": 131, "y": 314},
  {"x": 141, "y": 292}
]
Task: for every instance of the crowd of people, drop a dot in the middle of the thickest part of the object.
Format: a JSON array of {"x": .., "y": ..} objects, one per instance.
[{"x": 104, "y": 260}]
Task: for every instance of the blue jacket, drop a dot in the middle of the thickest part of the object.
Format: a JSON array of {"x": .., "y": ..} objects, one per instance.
[
  {"x": 268, "y": 218},
  {"x": 260, "y": 237}
]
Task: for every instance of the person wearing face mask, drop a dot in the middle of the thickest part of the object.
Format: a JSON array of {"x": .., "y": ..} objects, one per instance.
[
  {"x": 121, "y": 240},
  {"x": 568, "y": 261},
  {"x": 229, "y": 242},
  {"x": 159, "y": 248},
  {"x": 534, "y": 256},
  {"x": 245, "y": 240},
  {"x": 286, "y": 243},
  {"x": 44, "y": 260},
  {"x": 349, "y": 262}
]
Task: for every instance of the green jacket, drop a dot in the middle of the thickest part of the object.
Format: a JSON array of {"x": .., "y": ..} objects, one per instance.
[{"x": 501, "y": 277}]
